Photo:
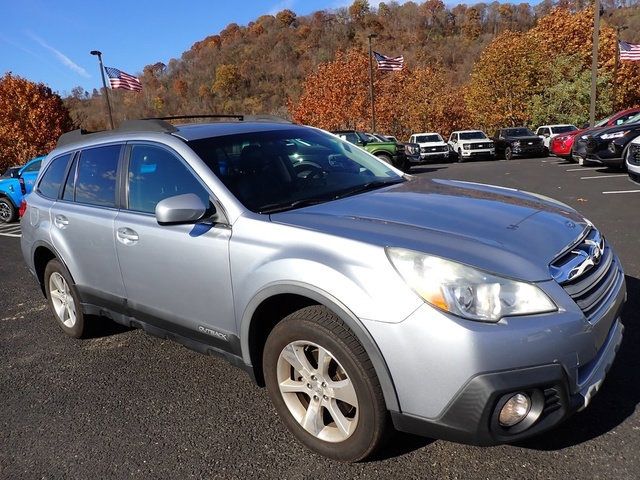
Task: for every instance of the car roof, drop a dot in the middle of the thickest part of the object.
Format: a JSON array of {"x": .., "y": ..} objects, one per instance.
[
  {"x": 197, "y": 131},
  {"x": 424, "y": 133},
  {"x": 467, "y": 131}
]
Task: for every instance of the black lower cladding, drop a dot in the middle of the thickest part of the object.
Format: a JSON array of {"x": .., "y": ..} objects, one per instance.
[
  {"x": 117, "y": 309},
  {"x": 472, "y": 417}
]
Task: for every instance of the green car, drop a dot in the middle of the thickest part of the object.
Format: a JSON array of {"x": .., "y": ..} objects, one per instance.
[{"x": 391, "y": 152}]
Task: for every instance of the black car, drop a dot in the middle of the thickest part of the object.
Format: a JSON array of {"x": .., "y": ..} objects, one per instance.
[
  {"x": 609, "y": 146},
  {"x": 518, "y": 142}
]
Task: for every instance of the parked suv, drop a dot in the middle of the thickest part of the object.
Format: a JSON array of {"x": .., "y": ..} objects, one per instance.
[
  {"x": 362, "y": 298},
  {"x": 468, "y": 144},
  {"x": 391, "y": 151},
  {"x": 14, "y": 188},
  {"x": 609, "y": 146}
]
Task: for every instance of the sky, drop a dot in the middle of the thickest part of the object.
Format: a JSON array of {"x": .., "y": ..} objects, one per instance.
[{"x": 50, "y": 41}]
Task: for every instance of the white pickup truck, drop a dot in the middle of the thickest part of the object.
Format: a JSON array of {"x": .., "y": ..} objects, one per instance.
[
  {"x": 468, "y": 144},
  {"x": 432, "y": 146}
]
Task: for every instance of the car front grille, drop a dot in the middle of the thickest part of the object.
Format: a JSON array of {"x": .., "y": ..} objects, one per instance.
[
  {"x": 441, "y": 148},
  {"x": 588, "y": 272},
  {"x": 634, "y": 154},
  {"x": 478, "y": 146}
]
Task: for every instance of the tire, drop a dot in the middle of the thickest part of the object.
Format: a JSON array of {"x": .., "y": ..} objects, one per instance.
[
  {"x": 460, "y": 157},
  {"x": 545, "y": 152},
  {"x": 366, "y": 424},
  {"x": 8, "y": 212},
  {"x": 508, "y": 153},
  {"x": 385, "y": 158},
  {"x": 63, "y": 299}
]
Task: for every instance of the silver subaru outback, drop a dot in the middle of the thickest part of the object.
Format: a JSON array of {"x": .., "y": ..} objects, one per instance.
[{"x": 364, "y": 299}]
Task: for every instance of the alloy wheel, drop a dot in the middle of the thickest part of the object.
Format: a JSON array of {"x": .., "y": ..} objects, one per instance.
[
  {"x": 317, "y": 391},
  {"x": 63, "y": 303}
]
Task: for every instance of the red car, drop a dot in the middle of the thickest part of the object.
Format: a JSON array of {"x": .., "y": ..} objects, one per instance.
[{"x": 561, "y": 145}]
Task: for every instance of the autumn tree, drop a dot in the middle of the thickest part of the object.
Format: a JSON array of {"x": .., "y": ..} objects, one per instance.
[
  {"x": 286, "y": 17},
  {"x": 32, "y": 117}
]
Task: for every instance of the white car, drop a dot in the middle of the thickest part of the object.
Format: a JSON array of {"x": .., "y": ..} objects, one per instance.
[
  {"x": 633, "y": 160},
  {"x": 432, "y": 146},
  {"x": 547, "y": 132},
  {"x": 471, "y": 144}
]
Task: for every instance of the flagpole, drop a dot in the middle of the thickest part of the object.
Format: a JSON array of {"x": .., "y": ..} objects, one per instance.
[
  {"x": 104, "y": 83},
  {"x": 594, "y": 63},
  {"x": 619, "y": 28},
  {"x": 371, "y": 91}
]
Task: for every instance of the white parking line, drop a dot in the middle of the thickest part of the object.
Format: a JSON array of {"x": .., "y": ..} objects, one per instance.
[
  {"x": 10, "y": 231},
  {"x": 605, "y": 176},
  {"x": 621, "y": 191},
  {"x": 582, "y": 168}
]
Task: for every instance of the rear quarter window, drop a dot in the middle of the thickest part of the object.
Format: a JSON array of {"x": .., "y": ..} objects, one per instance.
[{"x": 53, "y": 177}]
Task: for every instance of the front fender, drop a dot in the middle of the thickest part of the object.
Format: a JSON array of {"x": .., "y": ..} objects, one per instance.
[{"x": 341, "y": 310}]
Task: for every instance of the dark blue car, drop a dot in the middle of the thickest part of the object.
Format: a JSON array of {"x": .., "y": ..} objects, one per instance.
[{"x": 13, "y": 190}]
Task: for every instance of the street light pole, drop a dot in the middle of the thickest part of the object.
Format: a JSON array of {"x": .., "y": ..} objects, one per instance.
[
  {"x": 104, "y": 83},
  {"x": 372, "y": 94},
  {"x": 594, "y": 63}
]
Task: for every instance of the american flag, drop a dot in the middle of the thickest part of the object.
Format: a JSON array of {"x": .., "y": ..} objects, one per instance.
[
  {"x": 389, "y": 63},
  {"x": 629, "y": 51},
  {"x": 120, "y": 79}
]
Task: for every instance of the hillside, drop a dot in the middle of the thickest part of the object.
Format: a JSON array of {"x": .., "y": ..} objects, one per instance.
[{"x": 262, "y": 67}]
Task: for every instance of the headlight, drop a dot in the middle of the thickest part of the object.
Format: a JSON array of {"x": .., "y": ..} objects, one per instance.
[
  {"x": 516, "y": 143},
  {"x": 465, "y": 291},
  {"x": 609, "y": 136},
  {"x": 466, "y": 146}
]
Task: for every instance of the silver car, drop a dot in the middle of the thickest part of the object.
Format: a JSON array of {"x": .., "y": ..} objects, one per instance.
[{"x": 364, "y": 299}]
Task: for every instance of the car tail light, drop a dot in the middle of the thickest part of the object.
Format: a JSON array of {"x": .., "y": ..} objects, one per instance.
[
  {"x": 23, "y": 187},
  {"x": 23, "y": 208}
]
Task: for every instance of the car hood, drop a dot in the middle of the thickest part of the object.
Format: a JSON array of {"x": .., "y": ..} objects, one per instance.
[
  {"x": 617, "y": 128},
  {"x": 433, "y": 144},
  {"x": 504, "y": 231},
  {"x": 533, "y": 138},
  {"x": 476, "y": 140}
]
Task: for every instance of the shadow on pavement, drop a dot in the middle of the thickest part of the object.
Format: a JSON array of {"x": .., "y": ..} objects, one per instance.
[
  {"x": 399, "y": 444},
  {"x": 620, "y": 393},
  {"x": 427, "y": 168},
  {"x": 98, "y": 327}
]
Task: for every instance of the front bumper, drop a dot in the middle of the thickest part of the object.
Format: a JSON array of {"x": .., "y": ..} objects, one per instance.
[
  {"x": 527, "y": 151},
  {"x": 484, "y": 152},
  {"x": 433, "y": 156},
  {"x": 451, "y": 374},
  {"x": 472, "y": 416}
]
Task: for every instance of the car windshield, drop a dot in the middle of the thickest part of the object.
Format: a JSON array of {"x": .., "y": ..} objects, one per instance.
[
  {"x": 428, "y": 138},
  {"x": 472, "y": 136},
  {"x": 285, "y": 169},
  {"x": 603, "y": 122},
  {"x": 564, "y": 129},
  {"x": 634, "y": 119},
  {"x": 518, "y": 132}
]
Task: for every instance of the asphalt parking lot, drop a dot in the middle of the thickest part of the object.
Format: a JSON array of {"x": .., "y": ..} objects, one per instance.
[{"x": 124, "y": 404}]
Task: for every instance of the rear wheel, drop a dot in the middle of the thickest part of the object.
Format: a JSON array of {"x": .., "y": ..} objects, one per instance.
[
  {"x": 324, "y": 386},
  {"x": 63, "y": 298},
  {"x": 8, "y": 212},
  {"x": 508, "y": 153}
]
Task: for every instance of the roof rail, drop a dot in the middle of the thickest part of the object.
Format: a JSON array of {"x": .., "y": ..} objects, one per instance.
[
  {"x": 147, "y": 125},
  {"x": 237, "y": 117}
]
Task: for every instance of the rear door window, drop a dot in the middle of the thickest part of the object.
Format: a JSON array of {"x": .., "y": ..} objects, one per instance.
[
  {"x": 54, "y": 176},
  {"x": 96, "y": 176}
]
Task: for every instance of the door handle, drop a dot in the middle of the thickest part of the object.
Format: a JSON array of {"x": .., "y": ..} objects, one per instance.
[
  {"x": 127, "y": 236},
  {"x": 60, "y": 221}
]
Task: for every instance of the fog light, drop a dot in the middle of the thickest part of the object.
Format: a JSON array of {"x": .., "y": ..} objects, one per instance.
[{"x": 515, "y": 410}]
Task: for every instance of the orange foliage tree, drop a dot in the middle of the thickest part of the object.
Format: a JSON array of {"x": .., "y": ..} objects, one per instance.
[
  {"x": 336, "y": 96},
  {"x": 32, "y": 117}
]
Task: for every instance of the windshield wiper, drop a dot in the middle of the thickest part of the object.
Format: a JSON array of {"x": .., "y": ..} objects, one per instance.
[
  {"x": 365, "y": 187},
  {"x": 283, "y": 206}
]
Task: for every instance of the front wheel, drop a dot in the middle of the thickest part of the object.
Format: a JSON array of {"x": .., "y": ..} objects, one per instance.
[
  {"x": 460, "y": 157},
  {"x": 324, "y": 386},
  {"x": 8, "y": 212}
]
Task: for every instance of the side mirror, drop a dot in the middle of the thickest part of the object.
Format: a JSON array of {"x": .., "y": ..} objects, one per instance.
[{"x": 181, "y": 209}]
